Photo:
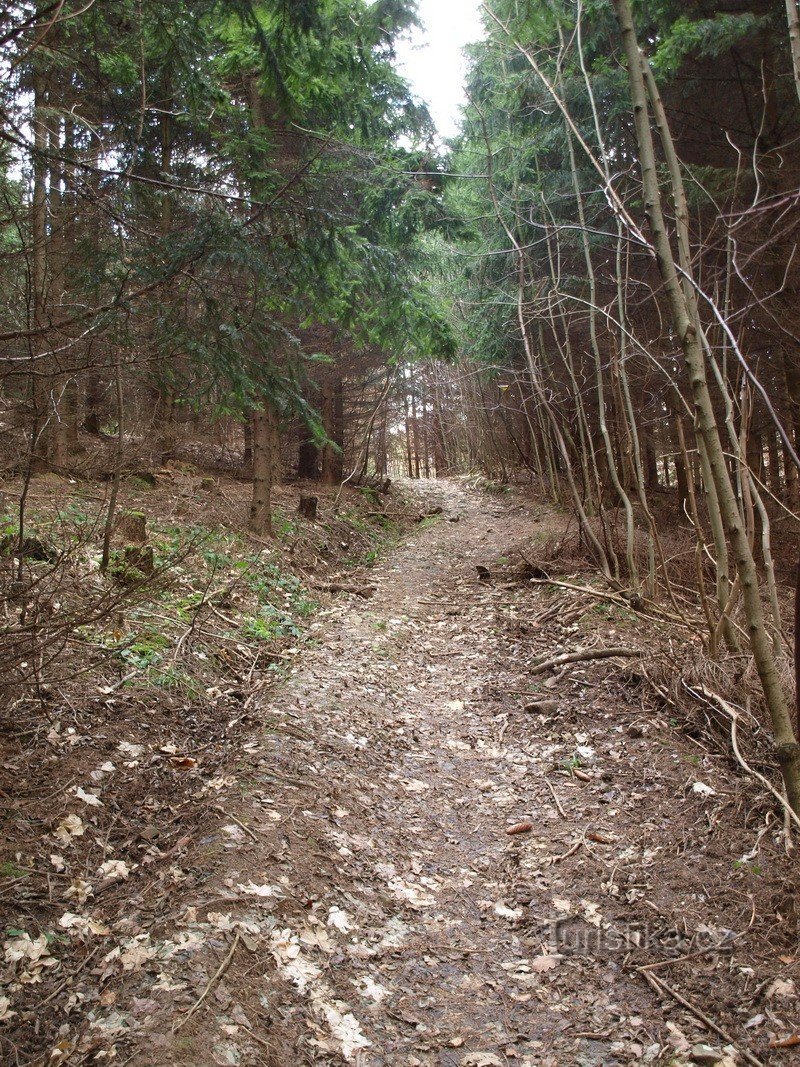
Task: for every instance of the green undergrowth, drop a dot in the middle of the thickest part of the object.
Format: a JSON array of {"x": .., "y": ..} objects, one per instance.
[
  {"x": 225, "y": 610},
  {"x": 218, "y": 609}
]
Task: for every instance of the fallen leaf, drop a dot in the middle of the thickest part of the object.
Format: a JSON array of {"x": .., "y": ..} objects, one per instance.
[
  {"x": 137, "y": 952},
  {"x": 591, "y": 913},
  {"x": 83, "y": 924},
  {"x": 88, "y": 798},
  {"x": 25, "y": 948},
  {"x": 504, "y": 912},
  {"x": 345, "y": 1028},
  {"x": 114, "y": 869},
  {"x": 316, "y": 937},
  {"x": 166, "y": 983},
  {"x": 703, "y": 789},
  {"x": 340, "y": 919},
  {"x": 130, "y": 750},
  {"x": 542, "y": 964},
  {"x": 262, "y": 890},
  {"x": 69, "y": 827},
  {"x": 785, "y": 1042},
  {"x": 371, "y": 989},
  {"x": 781, "y": 987},
  {"x": 80, "y": 890}
]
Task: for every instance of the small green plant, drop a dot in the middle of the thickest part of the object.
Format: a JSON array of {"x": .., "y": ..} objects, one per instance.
[
  {"x": 282, "y": 527},
  {"x": 11, "y": 870},
  {"x": 270, "y": 624},
  {"x": 353, "y": 519},
  {"x": 146, "y": 650},
  {"x": 174, "y": 680},
  {"x": 73, "y": 513},
  {"x": 429, "y": 521},
  {"x": 123, "y": 570}
]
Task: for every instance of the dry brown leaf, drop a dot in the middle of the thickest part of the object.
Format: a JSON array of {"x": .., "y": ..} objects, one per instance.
[
  {"x": 544, "y": 963},
  {"x": 785, "y": 1042}
]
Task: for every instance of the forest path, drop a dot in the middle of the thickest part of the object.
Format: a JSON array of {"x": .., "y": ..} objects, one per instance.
[{"x": 413, "y": 929}]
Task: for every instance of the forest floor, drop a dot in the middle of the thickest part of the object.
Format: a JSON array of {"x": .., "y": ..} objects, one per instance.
[{"x": 354, "y": 893}]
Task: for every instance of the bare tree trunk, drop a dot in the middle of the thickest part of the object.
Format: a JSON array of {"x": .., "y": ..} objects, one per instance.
[
  {"x": 793, "y": 18},
  {"x": 307, "y": 456},
  {"x": 260, "y": 507},
  {"x": 414, "y": 420},
  {"x": 630, "y": 555},
  {"x": 686, "y": 325},
  {"x": 381, "y": 457},
  {"x": 333, "y": 416},
  {"x": 276, "y": 477},
  {"x": 425, "y": 442},
  {"x": 409, "y": 456},
  {"x": 112, "y": 501},
  {"x": 440, "y": 461},
  {"x": 247, "y": 434},
  {"x": 38, "y": 281}
]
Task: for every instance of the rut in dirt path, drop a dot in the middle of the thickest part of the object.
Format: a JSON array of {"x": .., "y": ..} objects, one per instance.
[{"x": 442, "y": 921}]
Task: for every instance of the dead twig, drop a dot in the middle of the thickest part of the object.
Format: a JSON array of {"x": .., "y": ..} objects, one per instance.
[
  {"x": 580, "y": 657},
  {"x": 561, "y": 811},
  {"x": 238, "y": 822},
  {"x": 565, "y": 855},
  {"x": 689, "y": 955},
  {"x": 731, "y": 712},
  {"x": 67, "y": 981},
  {"x": 211, "y": 983},
  {"x": 660, "y": 986}
]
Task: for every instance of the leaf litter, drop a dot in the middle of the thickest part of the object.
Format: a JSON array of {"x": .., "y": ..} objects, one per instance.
[{"x": 369, "y": 897}]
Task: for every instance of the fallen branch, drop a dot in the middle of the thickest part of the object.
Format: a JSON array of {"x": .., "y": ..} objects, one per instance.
[
  {"x": 580, "y": 657},
  {"x": 211, "y": 983},
  {"x": 67, "y": 981},
  {"x": 648, "y": 610},
  {"x": 730, "y": 710},
  {"x": 661, "y": 986},
  {"x": 689, "y": 955}
]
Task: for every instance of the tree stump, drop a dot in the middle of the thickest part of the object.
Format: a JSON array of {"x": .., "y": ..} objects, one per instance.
[
  {"x": 132, "y": 526},
  {"x": 145, "y": 477},
  {"x": 308, "y": 507},
  {"x": 140, "y": 558}
]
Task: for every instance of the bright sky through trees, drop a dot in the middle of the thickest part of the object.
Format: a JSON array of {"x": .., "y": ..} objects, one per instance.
[{"x": 433, "y": 61}]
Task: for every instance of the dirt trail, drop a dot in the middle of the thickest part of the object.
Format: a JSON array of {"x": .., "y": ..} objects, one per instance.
[{"x": 399, "y": 923}]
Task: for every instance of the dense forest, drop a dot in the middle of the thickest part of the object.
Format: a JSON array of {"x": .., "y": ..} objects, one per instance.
[{"x": 240, "y": 274}]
